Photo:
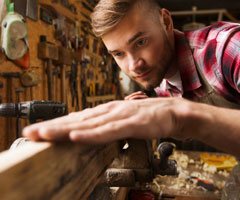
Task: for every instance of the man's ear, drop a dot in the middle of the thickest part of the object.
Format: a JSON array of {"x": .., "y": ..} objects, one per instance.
[{"x": 166, "y": 20}]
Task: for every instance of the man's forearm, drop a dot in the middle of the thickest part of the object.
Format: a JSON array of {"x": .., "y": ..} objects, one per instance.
[{"x": 218, "y": 127}]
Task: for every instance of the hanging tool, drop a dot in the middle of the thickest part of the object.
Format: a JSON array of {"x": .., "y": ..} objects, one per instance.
[
  {"x": 32, "y": 9},
  {"x": 14, "y": 39},
  {"x": 8, "y": 76},
  {"x": 20, "y": 7},
  {"x": 29, "y": 78},
  {"x": 47, "y": 15},
  {"x": 1, "y": 86},
  {"x": 73, "y": 84},
  {"x": 86, "y": 6},
  {"x": 65, "y": 59},
  {"x": 18, "y": 123},
  {"x": 48, "y": 52},
  {"x": 65, "y": 31}
]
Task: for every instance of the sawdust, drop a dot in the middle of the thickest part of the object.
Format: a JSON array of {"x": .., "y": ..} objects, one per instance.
[{"x": 192, "y": 174}]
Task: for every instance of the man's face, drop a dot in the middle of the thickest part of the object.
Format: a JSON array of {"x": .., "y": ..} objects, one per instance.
[{"x": 141, "y": 48}]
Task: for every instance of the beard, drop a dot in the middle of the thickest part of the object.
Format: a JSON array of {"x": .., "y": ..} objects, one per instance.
[{"x": 160, "y": 69}]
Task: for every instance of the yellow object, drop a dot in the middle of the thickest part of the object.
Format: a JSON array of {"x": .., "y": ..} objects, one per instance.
[{"x": 221, "y": 162}]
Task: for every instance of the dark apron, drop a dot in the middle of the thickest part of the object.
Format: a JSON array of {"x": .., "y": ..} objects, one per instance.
[{"x": 211, "y": 96}]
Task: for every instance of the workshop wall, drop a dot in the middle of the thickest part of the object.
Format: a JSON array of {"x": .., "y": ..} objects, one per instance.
[{"x": 82, "y": 72}]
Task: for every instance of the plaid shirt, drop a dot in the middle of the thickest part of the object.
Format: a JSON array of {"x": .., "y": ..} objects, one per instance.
[{"x": 216, "y": 51}]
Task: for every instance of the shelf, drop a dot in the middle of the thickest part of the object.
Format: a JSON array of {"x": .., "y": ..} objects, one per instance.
[{"x": 92, "y": 99}]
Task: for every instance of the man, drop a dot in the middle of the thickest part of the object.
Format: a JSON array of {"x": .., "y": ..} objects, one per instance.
[{"x": 202, "y": 66}]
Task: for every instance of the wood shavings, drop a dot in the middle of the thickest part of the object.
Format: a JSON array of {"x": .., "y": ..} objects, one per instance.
[
  {"x": 181, "y": 159},
  {"x": 209, "y": 168},
  {"x": 223, "y": 173},
  {"x": 178, "y": 184},
  {"x": 191, "y": 169}
]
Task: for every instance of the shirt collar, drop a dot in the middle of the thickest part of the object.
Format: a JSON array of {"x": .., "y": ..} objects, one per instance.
[
  {"x": 175, "y": 81},
  {"x": 185, "y": 62}
]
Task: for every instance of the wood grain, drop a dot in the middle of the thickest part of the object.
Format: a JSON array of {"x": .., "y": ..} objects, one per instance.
[{"x": 53, "y": 171}]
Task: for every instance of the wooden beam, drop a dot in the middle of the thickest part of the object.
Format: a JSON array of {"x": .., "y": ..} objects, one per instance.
[{"x": 53, "y": 171}]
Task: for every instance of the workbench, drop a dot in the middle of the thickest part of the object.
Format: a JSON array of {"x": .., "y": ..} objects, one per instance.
[{"x": 181, "y": 187}]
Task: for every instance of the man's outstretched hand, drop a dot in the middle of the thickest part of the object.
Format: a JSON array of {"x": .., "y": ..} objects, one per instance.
[{"x": 147, "y": 118}]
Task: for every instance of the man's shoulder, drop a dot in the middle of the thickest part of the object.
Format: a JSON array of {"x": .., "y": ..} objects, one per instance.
[{"x": 198, "y": 38}]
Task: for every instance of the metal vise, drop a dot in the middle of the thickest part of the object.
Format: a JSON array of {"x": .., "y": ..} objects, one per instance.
[{"x": 137, "y": 164}]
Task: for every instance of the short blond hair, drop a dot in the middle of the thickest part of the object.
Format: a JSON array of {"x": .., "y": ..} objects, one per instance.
[{"x": 108, "y": 13}]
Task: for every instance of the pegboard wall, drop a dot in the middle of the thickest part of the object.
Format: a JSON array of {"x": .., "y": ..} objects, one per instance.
[{"x": 67, "y": 63}]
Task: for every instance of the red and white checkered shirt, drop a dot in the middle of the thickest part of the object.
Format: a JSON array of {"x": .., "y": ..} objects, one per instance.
[{"x": 216, "y": 51}]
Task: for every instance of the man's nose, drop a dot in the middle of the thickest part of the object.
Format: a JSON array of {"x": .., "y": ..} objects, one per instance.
[{"x": 135, "y": 63}]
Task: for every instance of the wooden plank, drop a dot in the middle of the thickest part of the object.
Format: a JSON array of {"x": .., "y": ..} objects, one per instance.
[{"x": 53, "y": 171}]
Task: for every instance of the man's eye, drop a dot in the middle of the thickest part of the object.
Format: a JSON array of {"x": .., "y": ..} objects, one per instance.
[
  {"x": 141, "y": 42},
  {"x": 118, "y": 54}
]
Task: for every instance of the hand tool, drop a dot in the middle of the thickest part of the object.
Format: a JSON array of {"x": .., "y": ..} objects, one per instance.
[
  {"x": 86, "y": 6},
  {"x": 48, "y": 52},
  {"x": 64, "y": 59},
  {"x": 29, "y": 78},
  {"x": 47, "y": 14},
  {"x": 73, "y": 84},
  {"x": 166, "y": 166},
  {"x": 14, "y": 40},
  {"x": 8, "y": 76},
  {"x": 20, "y": 7},
  {"x": 18, "y": 123},
  {"x": 33, "y": 110},
  {"x": 1, "y": 84},
  {"x": 32, "y": 9},
  {"x": 137, "y": 164},
  {"x": 60, "y": 30},
  {"x": 92, "y": 3},
  {"x": 83, "y": 88}
]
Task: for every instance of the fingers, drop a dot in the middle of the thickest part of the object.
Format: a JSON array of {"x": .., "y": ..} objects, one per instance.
[
  {"x": 59, "y": 131},
  {"x": 136, "y": 95},
  {"x": 102, "y": 134},
  {"x": 59, "y": 128},
  {"x": 98, "y": 135},
  {"x": 143, "y": 119}
]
